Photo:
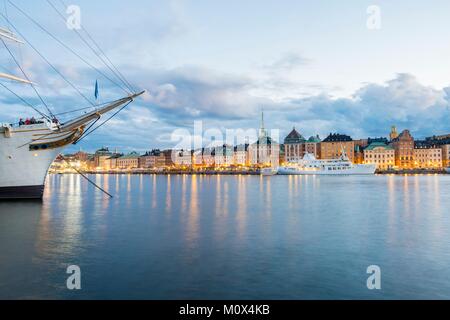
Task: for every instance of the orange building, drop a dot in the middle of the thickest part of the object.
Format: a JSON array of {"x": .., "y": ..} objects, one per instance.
[
  {"x": 335, "y": 145},
  {"x": 404, "y": 150}
]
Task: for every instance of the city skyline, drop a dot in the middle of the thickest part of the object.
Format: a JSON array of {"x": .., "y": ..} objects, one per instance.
[{"x": 336, "y": 77}]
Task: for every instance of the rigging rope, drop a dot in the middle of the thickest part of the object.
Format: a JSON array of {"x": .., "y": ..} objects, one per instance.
[
  {"x": 80, "y": 109},
  {"x": 26, "y": 77},
  {"x": 48, "y": 62},
  {"x": 68, "y": 48},
  {"x": 85, "y": 177},
  {"x": 102, "y": 124},
  {"x": 117, "y": 72},
  {"x": 23, "y": 100}
]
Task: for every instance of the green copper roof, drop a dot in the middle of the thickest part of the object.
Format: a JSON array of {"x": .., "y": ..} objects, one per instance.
[
  {"x": 315, "y": 139},
  {"x": 132, "y": 155},
  {"x": 379, "y": 145}
]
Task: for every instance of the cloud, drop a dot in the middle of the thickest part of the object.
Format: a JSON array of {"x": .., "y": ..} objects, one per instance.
[
  {"x": 176, "y": 98},
  {"x": 402, "y": 101},
  {"x": 198, "y": 93},
  {"x": 288, "y": 62}
]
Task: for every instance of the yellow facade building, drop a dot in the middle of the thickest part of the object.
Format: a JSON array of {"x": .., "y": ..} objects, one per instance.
[
  {"x": 129, "y": 161},
  {"x": 380, "y": 154},
  {"x": 428, "y": 157}
]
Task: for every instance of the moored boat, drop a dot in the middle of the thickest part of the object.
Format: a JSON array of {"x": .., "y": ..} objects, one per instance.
[
  {"x": 267, "y": 172},
  {"x": 312, "y": 166}
]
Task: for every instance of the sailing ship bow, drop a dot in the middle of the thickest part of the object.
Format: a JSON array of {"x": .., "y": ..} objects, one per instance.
[{"x": 96, "y": 114}]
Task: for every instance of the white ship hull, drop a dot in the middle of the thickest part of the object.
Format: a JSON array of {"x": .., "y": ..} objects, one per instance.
[
  {"x": 332, "y": 167},
  {"x": 27, "y": 151},
  {"x": 356, "y": 170},
  {"x": 26, "y": 154}
]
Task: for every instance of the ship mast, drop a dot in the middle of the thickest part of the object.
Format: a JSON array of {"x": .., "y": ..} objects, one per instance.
[{"x": 115, "y": 76}]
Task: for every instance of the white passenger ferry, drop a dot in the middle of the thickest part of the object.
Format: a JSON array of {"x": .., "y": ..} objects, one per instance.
[{"x": 309, "y": 165}]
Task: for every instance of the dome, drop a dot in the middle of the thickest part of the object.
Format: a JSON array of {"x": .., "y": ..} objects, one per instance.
[{"x": 315, "y": 139}]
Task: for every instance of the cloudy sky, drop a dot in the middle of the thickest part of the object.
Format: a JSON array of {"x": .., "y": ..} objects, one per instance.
[{"x": 321, "y": 66}]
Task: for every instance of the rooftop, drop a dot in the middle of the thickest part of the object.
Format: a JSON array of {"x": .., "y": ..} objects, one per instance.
[
  {"x": 315, "y": 139},
  {"x": 336, "y": 137},
  {"x": 294, "y": 137},
  {"x": 132, "y": 155},
  {"x": 375, "y": 145}
]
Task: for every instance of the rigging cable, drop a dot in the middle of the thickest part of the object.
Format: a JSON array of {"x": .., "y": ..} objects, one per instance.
[
  {"x": 23, "y": 100},
  {"x": 102, "y": 124},
  {"x": 67, "y": 47},
  {"x": 26, "y": 77},
  {"x": 48, "y": 62},
  {"x": 77, "y": 110},
  {"x": 117, "y": 72},
  {"x": 85, "y": 177}
]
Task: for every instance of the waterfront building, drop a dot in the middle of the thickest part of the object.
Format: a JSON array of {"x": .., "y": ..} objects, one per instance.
[
  {"x": 427, "y": 155},
  {"x": 265, "y": 151},
  {"x": 197, "y": 158},
  {"x": 443, "y": 141},
  {"x": 404, "y": 150},
  {"x": 312, "y": 146},
  {"x": 380, "y": 154},
  {"x": 168, "y": 158},
  {"x": 209, "y": 157},
  {"x": 182, "y": 158},
  {"x": 111, "y": 162},
  {"x": 152, "y": 159},
  {"x": 81, "y": 156},
  {"x": 241, "y": 156},
  {"x": 294, "y": 146},
  {"x": 90, "y": 162},
  {"x": 129, "y": 161},
  {"x": 359, "y": 155},
  {"x": 223, "y": 156},
  {"x": 446, "y": 155},
  {"x": 282, "y": 157},
  {"x": 360, "y": 145},
  {"x": 335, "y": 145},
  {"x": 100, "y": 157}
]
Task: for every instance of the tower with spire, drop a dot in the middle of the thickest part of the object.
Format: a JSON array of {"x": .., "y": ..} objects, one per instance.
[
  {"x": 394, "y": 134},
  {"x": 262, "y": 130}
]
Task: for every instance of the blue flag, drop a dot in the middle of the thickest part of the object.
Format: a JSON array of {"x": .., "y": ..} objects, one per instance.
[{"x": 96, "y": 89}]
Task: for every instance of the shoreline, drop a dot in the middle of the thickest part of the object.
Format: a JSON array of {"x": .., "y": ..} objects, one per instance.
[{"x": 236, "y": 173}]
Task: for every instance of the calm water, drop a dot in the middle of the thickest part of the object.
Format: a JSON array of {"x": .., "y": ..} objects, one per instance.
[{"x": 230, "y": 237}]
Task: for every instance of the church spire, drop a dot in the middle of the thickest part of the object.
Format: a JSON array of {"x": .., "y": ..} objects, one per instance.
[
  {"x": 262, "y": 130},
  {"x": 262, "y": 119}
]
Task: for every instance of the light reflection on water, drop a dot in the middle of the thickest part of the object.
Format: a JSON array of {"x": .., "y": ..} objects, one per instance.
[{"x": 224, "y": 237}]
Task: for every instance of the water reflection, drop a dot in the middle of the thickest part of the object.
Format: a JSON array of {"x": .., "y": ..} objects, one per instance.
[
  {"x": 274, "y": 236},
  {"x": 241, "y": 215},
  {"x": 169, "y": 194},
  {"x": 194, "y": 215}
]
